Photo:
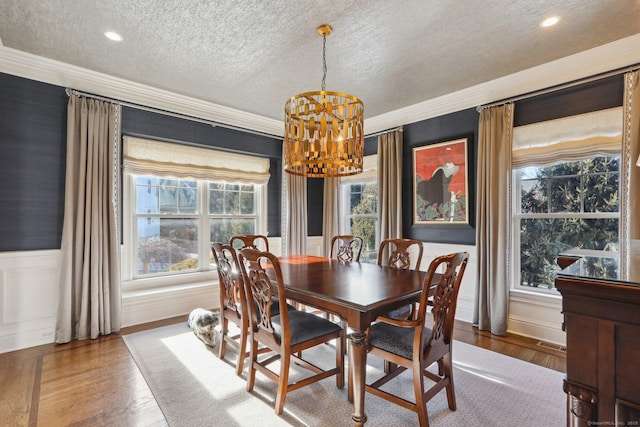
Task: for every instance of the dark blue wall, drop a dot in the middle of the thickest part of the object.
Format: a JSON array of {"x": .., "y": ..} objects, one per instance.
[
  {"x": 33, "y": 129},
  {"x": 33, "y": 123},
  {"x": 33, "y": 147},
  {"x": 597, "y": 95}
]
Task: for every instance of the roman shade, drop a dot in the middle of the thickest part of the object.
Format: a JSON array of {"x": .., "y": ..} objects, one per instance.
[
  {"x": 568, "y": 138},
  {"x": 149, "y": 157},
  {"x": 369, "y": 171}
]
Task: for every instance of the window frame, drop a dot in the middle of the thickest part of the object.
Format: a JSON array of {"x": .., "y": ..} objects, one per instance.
[
  {"x": 517, "y": 216},
  {"x": 344, "y": 204},
  {"x": 205, "y": 273}
]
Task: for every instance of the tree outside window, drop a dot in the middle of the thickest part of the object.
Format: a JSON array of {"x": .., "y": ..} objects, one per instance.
[
  {"x": 232, "y": 210},
  {"x": 568, "y": 208},
  {"x": 361, "y": 216}
]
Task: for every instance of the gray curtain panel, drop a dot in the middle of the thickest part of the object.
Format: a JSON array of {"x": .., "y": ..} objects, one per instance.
[
  {"x": 390, "y": 185},
  {"x": 330, "y": 213},
  {"x": 90, "y": 296},
  {"x": 492, "y": 216},
  {"x": 294, "y": 216}
]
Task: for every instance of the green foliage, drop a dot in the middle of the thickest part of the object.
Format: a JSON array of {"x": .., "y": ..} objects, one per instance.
[
  {"x": 365, "y": 227},
  {"x": 223, "y": 229},
  {"x": 588, "y": 186},
  {"x": 228, "y": 200}
]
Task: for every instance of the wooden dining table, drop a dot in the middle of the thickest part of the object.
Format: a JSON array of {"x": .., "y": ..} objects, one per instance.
[{"x": 358, "y": 293}]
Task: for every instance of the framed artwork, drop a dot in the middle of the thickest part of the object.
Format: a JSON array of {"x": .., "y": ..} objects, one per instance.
[{"x": 441, "y": 183}]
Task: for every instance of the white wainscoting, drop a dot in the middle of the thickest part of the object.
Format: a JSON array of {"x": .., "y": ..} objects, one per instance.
[
  {"x": 467, "y": 292},
  {"x": 156, "y": 304},
  {"x": 314, "y": 245},
  {"x": 536, "y": 315},
  {"x": 29, "y": 298}
]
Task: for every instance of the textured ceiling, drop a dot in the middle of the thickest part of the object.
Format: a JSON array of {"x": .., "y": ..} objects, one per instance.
[{"x": 251, "y": 55}]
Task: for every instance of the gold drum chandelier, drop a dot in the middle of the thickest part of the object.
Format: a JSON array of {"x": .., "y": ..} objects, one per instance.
[{"x": 323, "y": 130}]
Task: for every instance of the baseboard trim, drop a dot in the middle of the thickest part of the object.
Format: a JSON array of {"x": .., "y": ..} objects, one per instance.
[
  {"x": 551, "y": 333},
  {"x": 26, "y": 339}
]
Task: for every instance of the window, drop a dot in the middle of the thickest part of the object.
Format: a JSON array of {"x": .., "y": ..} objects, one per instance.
[
  {"x": 360, "y": 217},
  {"x": 568, "y": 208},
  {"x": 173, "y": 211},
  {"x": 166, "y": 224},
  {"x": 232, "y": 210},
  {"x": 566, "y": 187},
  {"x": 169, "y": 221},
  {"x": 359, "y": 208}
]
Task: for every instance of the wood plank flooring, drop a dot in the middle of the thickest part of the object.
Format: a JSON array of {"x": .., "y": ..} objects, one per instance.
[{"x": 97, "y": 383}]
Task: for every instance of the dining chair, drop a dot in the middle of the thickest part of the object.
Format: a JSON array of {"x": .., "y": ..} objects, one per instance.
[
  {"x": 234, "y": 303},
  {"x": 396, "y": 253},
  {"x": 347, "y": 248},
  {"x": 410, "y": 344},
  {"x": 288, "y": 333},
  {"x": 255, "y": 241}
]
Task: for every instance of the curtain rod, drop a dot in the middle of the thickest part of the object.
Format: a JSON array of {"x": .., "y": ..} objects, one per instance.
[
  {"x": 384, "y": 131},
  {"x": 561, "y": 86},
  {"x": 70, "y": 92}
]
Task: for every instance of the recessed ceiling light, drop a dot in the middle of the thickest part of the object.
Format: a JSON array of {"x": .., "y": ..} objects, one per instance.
[
  {"x": 549, "y": 22},
  {"x": 113, "y": 36}
]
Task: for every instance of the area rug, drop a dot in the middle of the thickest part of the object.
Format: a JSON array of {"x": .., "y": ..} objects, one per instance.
[{"x": 193, "y": 387}]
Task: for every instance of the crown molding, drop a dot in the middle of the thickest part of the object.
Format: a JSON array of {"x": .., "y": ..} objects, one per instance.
[
  {"x": 612, "y": 56},
  {"x": 46, "y": 70}
]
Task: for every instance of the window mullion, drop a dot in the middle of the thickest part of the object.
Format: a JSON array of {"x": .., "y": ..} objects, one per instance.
[{"x": 204, "y": 226}]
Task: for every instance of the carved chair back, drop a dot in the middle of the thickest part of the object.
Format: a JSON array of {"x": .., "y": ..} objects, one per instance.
[
  {"x": 399, "y": 253},
  {"x": 347, "y": 248}
]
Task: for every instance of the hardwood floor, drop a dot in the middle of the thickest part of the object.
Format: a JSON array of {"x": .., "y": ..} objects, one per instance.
[{"x": 96, "y": 382}]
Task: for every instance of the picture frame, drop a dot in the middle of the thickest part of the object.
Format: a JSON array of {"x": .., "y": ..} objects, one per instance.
[{"x": 441, "y": 183}]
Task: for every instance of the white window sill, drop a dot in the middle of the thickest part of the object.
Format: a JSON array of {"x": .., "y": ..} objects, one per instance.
[
  {"x": 139, "y": 287},
  {"x": 541, "y": 298},
  {"x": 165, "y": 289}
]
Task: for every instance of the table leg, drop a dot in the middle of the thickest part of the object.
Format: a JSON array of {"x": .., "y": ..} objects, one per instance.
[{"x": 358, "y": 368}]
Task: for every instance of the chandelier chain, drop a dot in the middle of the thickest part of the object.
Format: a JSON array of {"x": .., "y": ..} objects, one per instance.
[{"x": 324, "y": 61}]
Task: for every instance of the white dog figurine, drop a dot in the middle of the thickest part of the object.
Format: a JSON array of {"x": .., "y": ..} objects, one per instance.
[{"x": 203, "y": 323}]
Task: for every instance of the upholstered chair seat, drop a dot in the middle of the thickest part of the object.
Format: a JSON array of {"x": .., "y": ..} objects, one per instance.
[
  {"x": 304, "y": 326},
  {"x": 398, "y": 341}
]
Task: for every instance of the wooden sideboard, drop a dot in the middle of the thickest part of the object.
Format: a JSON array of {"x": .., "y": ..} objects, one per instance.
[{"x": 602, "y": 322}]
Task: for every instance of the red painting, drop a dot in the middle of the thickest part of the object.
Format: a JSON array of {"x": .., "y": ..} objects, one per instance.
[{"x": 441, "y": 183}]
